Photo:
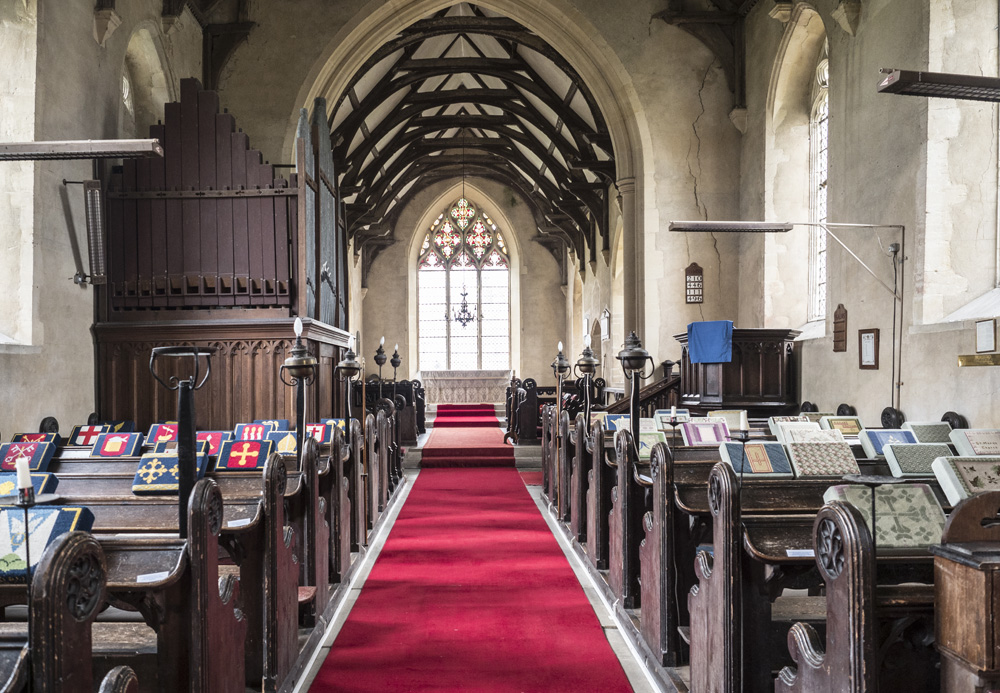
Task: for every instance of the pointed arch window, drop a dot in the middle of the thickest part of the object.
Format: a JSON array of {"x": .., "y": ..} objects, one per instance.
[
  {"x": 463, "y": 259},
  {"x": 819, "y": 139}
]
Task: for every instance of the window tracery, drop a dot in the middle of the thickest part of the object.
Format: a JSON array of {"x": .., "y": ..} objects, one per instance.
[{"x": 463, "y": 260}]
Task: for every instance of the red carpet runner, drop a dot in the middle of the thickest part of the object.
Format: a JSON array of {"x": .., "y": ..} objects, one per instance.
[
  {"x": 471, "y": 445},
  {"x": 465, "y": 416},
  {"x": 471, "y": 593}
]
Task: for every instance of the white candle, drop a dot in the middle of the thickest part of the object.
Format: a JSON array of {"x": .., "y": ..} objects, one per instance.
[
  {"x": 744, "y": 423},
  {"x": 350, "y": 343},
  {"x": 382, "y": 341},
  {"x": 559, "y": 346},
  {"x": 586, "y": 340},
  {"x": 673, "y": 411},
  {"x": 297, "y": 326},
  {"x": 23, "y": 472},
  {"x": 397, "y": 348}
]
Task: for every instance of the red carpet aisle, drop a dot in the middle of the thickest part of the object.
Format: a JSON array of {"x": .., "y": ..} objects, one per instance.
[
  {"x": 472, "y": 445},
  {"x": 471, "y": 593}
]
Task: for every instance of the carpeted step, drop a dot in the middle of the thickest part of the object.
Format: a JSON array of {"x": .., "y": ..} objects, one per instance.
[
  {"x": 466, "y": 422},
  {"x": 465, "y": 408},
  {"x": 456, "y": 462}
]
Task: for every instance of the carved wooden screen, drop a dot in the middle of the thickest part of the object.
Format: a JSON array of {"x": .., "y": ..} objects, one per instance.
[{"x": 208, "y": 225}]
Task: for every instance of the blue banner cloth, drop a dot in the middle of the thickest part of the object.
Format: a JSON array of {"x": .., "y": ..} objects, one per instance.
[{"x": 710, "y": 341}]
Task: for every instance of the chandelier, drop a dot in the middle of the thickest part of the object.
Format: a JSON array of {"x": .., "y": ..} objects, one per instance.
[{"x": 463, "y": 316}]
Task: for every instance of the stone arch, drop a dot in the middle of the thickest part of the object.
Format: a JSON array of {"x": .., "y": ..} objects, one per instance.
[
  {"x": 558, "y": 23},
  {"x": 148, "y": 72},
  {"x": 787, "y": 166}
]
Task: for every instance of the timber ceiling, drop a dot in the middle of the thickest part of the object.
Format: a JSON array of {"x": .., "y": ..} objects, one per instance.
[{"x": 468, "y": 92}]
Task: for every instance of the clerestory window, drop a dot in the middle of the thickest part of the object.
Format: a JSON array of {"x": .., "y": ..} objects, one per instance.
[{"x": 463, "y": 293}]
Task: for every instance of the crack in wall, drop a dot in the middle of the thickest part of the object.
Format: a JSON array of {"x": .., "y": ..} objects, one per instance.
[{"x": 702, "y": 210}]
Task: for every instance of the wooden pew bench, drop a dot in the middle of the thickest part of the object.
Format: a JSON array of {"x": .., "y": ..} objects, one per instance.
[
  {"x": 68, "y": 589},
  {"x": 254, "y": 535},
  {"x": 863, "y": 619},
  {"x": 196, "y": 634},
  {"x": 761, "y": 547}
]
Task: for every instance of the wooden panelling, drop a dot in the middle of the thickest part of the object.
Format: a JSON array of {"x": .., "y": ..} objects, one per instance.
[{"x": 243, "y": 385}]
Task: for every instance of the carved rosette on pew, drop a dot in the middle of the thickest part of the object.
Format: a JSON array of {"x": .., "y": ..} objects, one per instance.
[
  {"x": 67, "y": 594},
  {"x": 846, "y": 562}
]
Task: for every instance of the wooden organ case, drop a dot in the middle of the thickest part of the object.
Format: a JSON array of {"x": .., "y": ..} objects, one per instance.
[{"x": 208, "y": 246}]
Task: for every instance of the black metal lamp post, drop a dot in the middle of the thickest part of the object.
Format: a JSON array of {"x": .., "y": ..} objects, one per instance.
[
  {"x": 560, "y": 367},
  {"x": 586, "y": 365},
  {"x": 299, "y": 370},
  {"x": 394, "y": 362},
  {"x": 348, "y": 369},
  {"x": 186, "y": 443},
  {"x": 380, "y": 358},
  {"x": 633, "y": 358}
]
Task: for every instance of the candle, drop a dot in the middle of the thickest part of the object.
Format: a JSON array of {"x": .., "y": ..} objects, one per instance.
[
  {"x": 23, "y": 472},
  {"x": 560, "y": 346},
  {"x": 397, "y": 347},
  {"x": 586, "y": 340},
  {"x": 382, "y": 341},
  {"x": 744, "y": 424},
  {"x": 297, "y": 326},
  {"x": 673, "y": 411},
  {"x": 350, "y": 343}
]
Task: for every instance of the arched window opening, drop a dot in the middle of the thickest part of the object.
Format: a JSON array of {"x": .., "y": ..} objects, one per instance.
[
  {"x": 819, "y": 137},
  {"x": 463, "y": 293}
]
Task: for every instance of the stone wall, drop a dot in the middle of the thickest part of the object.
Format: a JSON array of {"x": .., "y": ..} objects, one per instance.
[{"x": 50, "y": 370}]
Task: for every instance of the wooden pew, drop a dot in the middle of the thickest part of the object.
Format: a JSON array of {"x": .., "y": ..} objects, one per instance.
[
  {"x": 566, "y": 452},
  {"x": 659, "y": 618},
  {"x": 548, "y": 442},
  {"x": 856, "y": 657},
  {"x": 335, "y": 490},
  {"x": 67, "y": 592},
  {"x": 579, "y": 475},
  {"x": 256, "y": 538},
  {"x": 198, "y": 639},
  {"x": 762, "y": 541},
  {"x": 967, "y": 611},
  {"x": 600, "y": 481},
  {"x": 624, "y": 525}
]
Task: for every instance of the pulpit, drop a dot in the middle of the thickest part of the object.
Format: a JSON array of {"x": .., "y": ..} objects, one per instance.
[{"x": 760, "y": 378}]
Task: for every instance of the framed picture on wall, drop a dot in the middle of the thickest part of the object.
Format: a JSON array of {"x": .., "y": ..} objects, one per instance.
[
  {"x": 868, "y": 349},
  {"x": 986, "y": 336}
]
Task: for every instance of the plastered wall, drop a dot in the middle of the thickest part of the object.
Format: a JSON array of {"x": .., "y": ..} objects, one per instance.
[{"x": 77, "y": 97}]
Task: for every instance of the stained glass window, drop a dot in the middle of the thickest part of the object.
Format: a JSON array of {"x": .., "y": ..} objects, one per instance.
[{"x": 463, "y": 271}]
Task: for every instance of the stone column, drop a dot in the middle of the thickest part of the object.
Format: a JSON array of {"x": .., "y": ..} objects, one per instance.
[{"x": 632, "y": 262}]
